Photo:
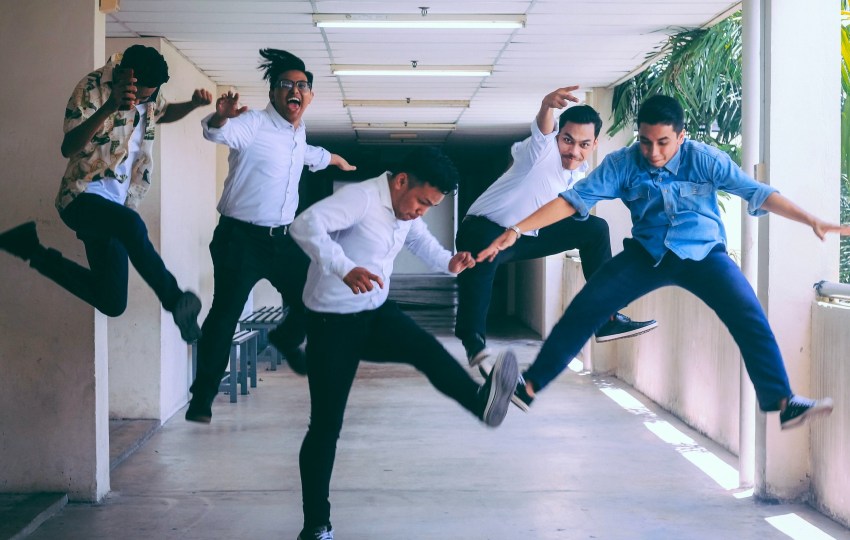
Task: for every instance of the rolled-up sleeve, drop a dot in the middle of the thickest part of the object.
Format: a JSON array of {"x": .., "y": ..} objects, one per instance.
[
  {"x": 317, "y": 158},
  {"x": 732, "y": 179}
]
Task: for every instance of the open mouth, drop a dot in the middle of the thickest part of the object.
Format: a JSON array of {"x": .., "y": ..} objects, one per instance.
[{"x": 293, "y": 103}]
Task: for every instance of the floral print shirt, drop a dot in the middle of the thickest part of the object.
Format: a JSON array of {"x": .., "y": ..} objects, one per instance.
[{"x": 109, "y": 145}]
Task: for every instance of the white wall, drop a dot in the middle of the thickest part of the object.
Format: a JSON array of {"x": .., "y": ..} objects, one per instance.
[
  {"x": 149, "y": 362},
  {"x": 831, "y": 436},
  {"x": 53, "y": 394}
]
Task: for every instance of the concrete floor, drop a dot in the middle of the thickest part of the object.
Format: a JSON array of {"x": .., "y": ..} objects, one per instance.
[{"x": 412, "y": 464}]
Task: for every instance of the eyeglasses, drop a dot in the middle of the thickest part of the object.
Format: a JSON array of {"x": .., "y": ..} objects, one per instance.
[{"x": 286, "y": 84}]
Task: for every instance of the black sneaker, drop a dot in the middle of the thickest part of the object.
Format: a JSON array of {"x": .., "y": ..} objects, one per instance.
[
  {"x": 185, "y": 315},
  {"x": 497, "y": 390},
  {"x": 476, "y": 349},
  {"x": 520, "y": 398},
  {"x": 295, "y": 356},
  {"x": 21, "y": 241},
  {"x": 325, "y": 532},
  {"x": 622, "y": 327},
  {"x": 799, "y": 409},
  {"x": 200, "y": 410}
]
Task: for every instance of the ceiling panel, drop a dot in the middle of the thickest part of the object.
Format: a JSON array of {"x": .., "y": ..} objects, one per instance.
[{"x": 585, "y": 42}]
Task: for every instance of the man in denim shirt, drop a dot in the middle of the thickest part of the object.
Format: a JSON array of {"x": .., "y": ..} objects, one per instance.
[{"x": 669, "y": 184}]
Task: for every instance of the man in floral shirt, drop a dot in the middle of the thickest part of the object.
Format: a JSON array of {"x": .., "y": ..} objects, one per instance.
[{"x": 109, "y": 132}]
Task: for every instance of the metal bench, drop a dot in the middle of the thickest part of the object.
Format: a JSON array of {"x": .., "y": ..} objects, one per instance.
[
  {"x": 263, "y": 320},
  {"x": 243, "y": 364}
]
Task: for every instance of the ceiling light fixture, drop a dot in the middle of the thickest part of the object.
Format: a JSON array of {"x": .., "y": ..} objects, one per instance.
[
  {"x": 413, "y": 70},
  {"x": 401, "y": 103},
  {"x": 422, "y": 21},
  {"x": 403, "y": 126}
]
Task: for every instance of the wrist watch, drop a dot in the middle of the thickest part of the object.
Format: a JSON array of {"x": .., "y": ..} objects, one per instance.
[{"x": 515, "y": 229}]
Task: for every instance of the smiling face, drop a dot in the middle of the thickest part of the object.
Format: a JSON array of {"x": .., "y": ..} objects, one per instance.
[
  {"x": 575, "y": 143},
  {"x": 411, "y": 199},
  {"x": 290, "y": 103},
  {"x": 659, "y": 143}
]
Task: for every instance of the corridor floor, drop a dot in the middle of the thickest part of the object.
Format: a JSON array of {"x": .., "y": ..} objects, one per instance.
[{"x": 593, "y": 459}]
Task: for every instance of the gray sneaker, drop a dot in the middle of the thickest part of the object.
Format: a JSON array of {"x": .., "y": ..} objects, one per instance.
[
  {"x": 520, "y": 397},
  {"x": 497, "y": 390}
]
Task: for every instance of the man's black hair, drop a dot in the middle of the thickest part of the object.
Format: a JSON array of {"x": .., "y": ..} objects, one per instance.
[
  {"x": 279, "y": 61},
  {"x": 428, "y": 164},
  {"x": 581, "y": 114},
  {"x": 660, "y": 109},
  {"x": 148, "y": 65}
]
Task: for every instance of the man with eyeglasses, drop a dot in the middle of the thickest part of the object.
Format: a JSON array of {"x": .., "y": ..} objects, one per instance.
[
  {"x": 545, "y": 164},
  {"x": 268, "y": 150},
  {"x": 109, "y": 133}
]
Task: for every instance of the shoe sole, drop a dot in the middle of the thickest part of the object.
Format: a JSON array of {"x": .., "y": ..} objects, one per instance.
[
  {"x": 823, "y": 409},
  {"x": 480, "y": 357},
  {"x": 630, "y": 333},
  {"x": 503, "y": 380},
  {"x": 521, "y": 405},
  {"x": 198, "y": 418}
]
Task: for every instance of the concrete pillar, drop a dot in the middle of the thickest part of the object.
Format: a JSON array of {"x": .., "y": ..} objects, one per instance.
[
  {"x": 149, "y": 364},
  {"x": 802, "y": 148},
  {"x": 751, "y": 157},
  {"x": 54, "y": 432}
]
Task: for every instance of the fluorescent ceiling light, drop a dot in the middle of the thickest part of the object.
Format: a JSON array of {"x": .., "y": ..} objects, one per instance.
[
  {"x": 410, "y": 71},
  {"x": 379, "y": 20},
  {"x": 403, "y": 135},
  {"x": 400, "y": 103},
  {"x": 403, "y": 126}
]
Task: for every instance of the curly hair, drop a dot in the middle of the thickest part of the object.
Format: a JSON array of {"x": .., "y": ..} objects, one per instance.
[
  {"x": 429, "y": 165},
  {"x": 278, "y": 61},
  {"x": 148, "y": 65}
]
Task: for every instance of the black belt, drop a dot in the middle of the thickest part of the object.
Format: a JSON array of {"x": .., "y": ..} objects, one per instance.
[{"x": 281, "y": 230}]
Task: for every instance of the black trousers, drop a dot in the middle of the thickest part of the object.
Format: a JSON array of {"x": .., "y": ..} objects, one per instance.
[
  {"x": 335, "y": 345},
  {"x": 475, "y": 285},
  {"x": 112, "y": 234},
  {"x": 242, "y": 255}
]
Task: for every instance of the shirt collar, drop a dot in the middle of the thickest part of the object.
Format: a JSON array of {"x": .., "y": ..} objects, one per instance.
[
  {"x": 384, "y": 191},
  {"x": 281, "y": 122}
]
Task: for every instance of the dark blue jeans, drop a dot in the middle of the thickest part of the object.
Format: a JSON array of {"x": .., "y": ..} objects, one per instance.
[
  {"x": 335, "y": 345},
  {"x": 112, "y": 233},
  {"x": 475, "y": 285},
  {"x": 242, "y": 255},
  {"x": 716, "y": 280}
]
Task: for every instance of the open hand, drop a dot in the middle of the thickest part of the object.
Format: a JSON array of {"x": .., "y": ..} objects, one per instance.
[
  {"x": 501, "y": 243},
  {"x": 227, "y": 106}
]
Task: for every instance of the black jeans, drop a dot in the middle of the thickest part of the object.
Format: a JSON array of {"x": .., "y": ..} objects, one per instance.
[
  {"x": 112, "y": 233},
  {"x": 335, "y": 345},
  {"x": 475, "y": 285},
  {"x": 242, "y": 255}
]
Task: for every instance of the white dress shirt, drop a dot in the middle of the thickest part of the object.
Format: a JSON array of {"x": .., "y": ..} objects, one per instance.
[
  {"x": 356, "y": 226},
  {"x": 266, "y": 157},
  {"x": 536, "y": 177}
]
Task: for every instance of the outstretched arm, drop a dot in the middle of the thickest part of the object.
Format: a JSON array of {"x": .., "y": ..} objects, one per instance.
[
  {"x": 339, "y": 161},
  {"x": 551, "y": 212},
  {"x": 783, "y": 206},
  {"x": 176, "y": 111},
  {"x": 227, "y": 106}
]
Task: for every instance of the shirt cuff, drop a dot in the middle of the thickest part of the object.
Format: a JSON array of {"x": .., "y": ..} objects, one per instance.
[
  {"x": 323, "y": 162},
  {"x": 582, "y": 211},
  {"x": 754, "y": 204}
]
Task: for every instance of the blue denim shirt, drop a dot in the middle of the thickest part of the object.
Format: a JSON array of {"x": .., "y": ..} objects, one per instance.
[{"x": 674, "y": 208}]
